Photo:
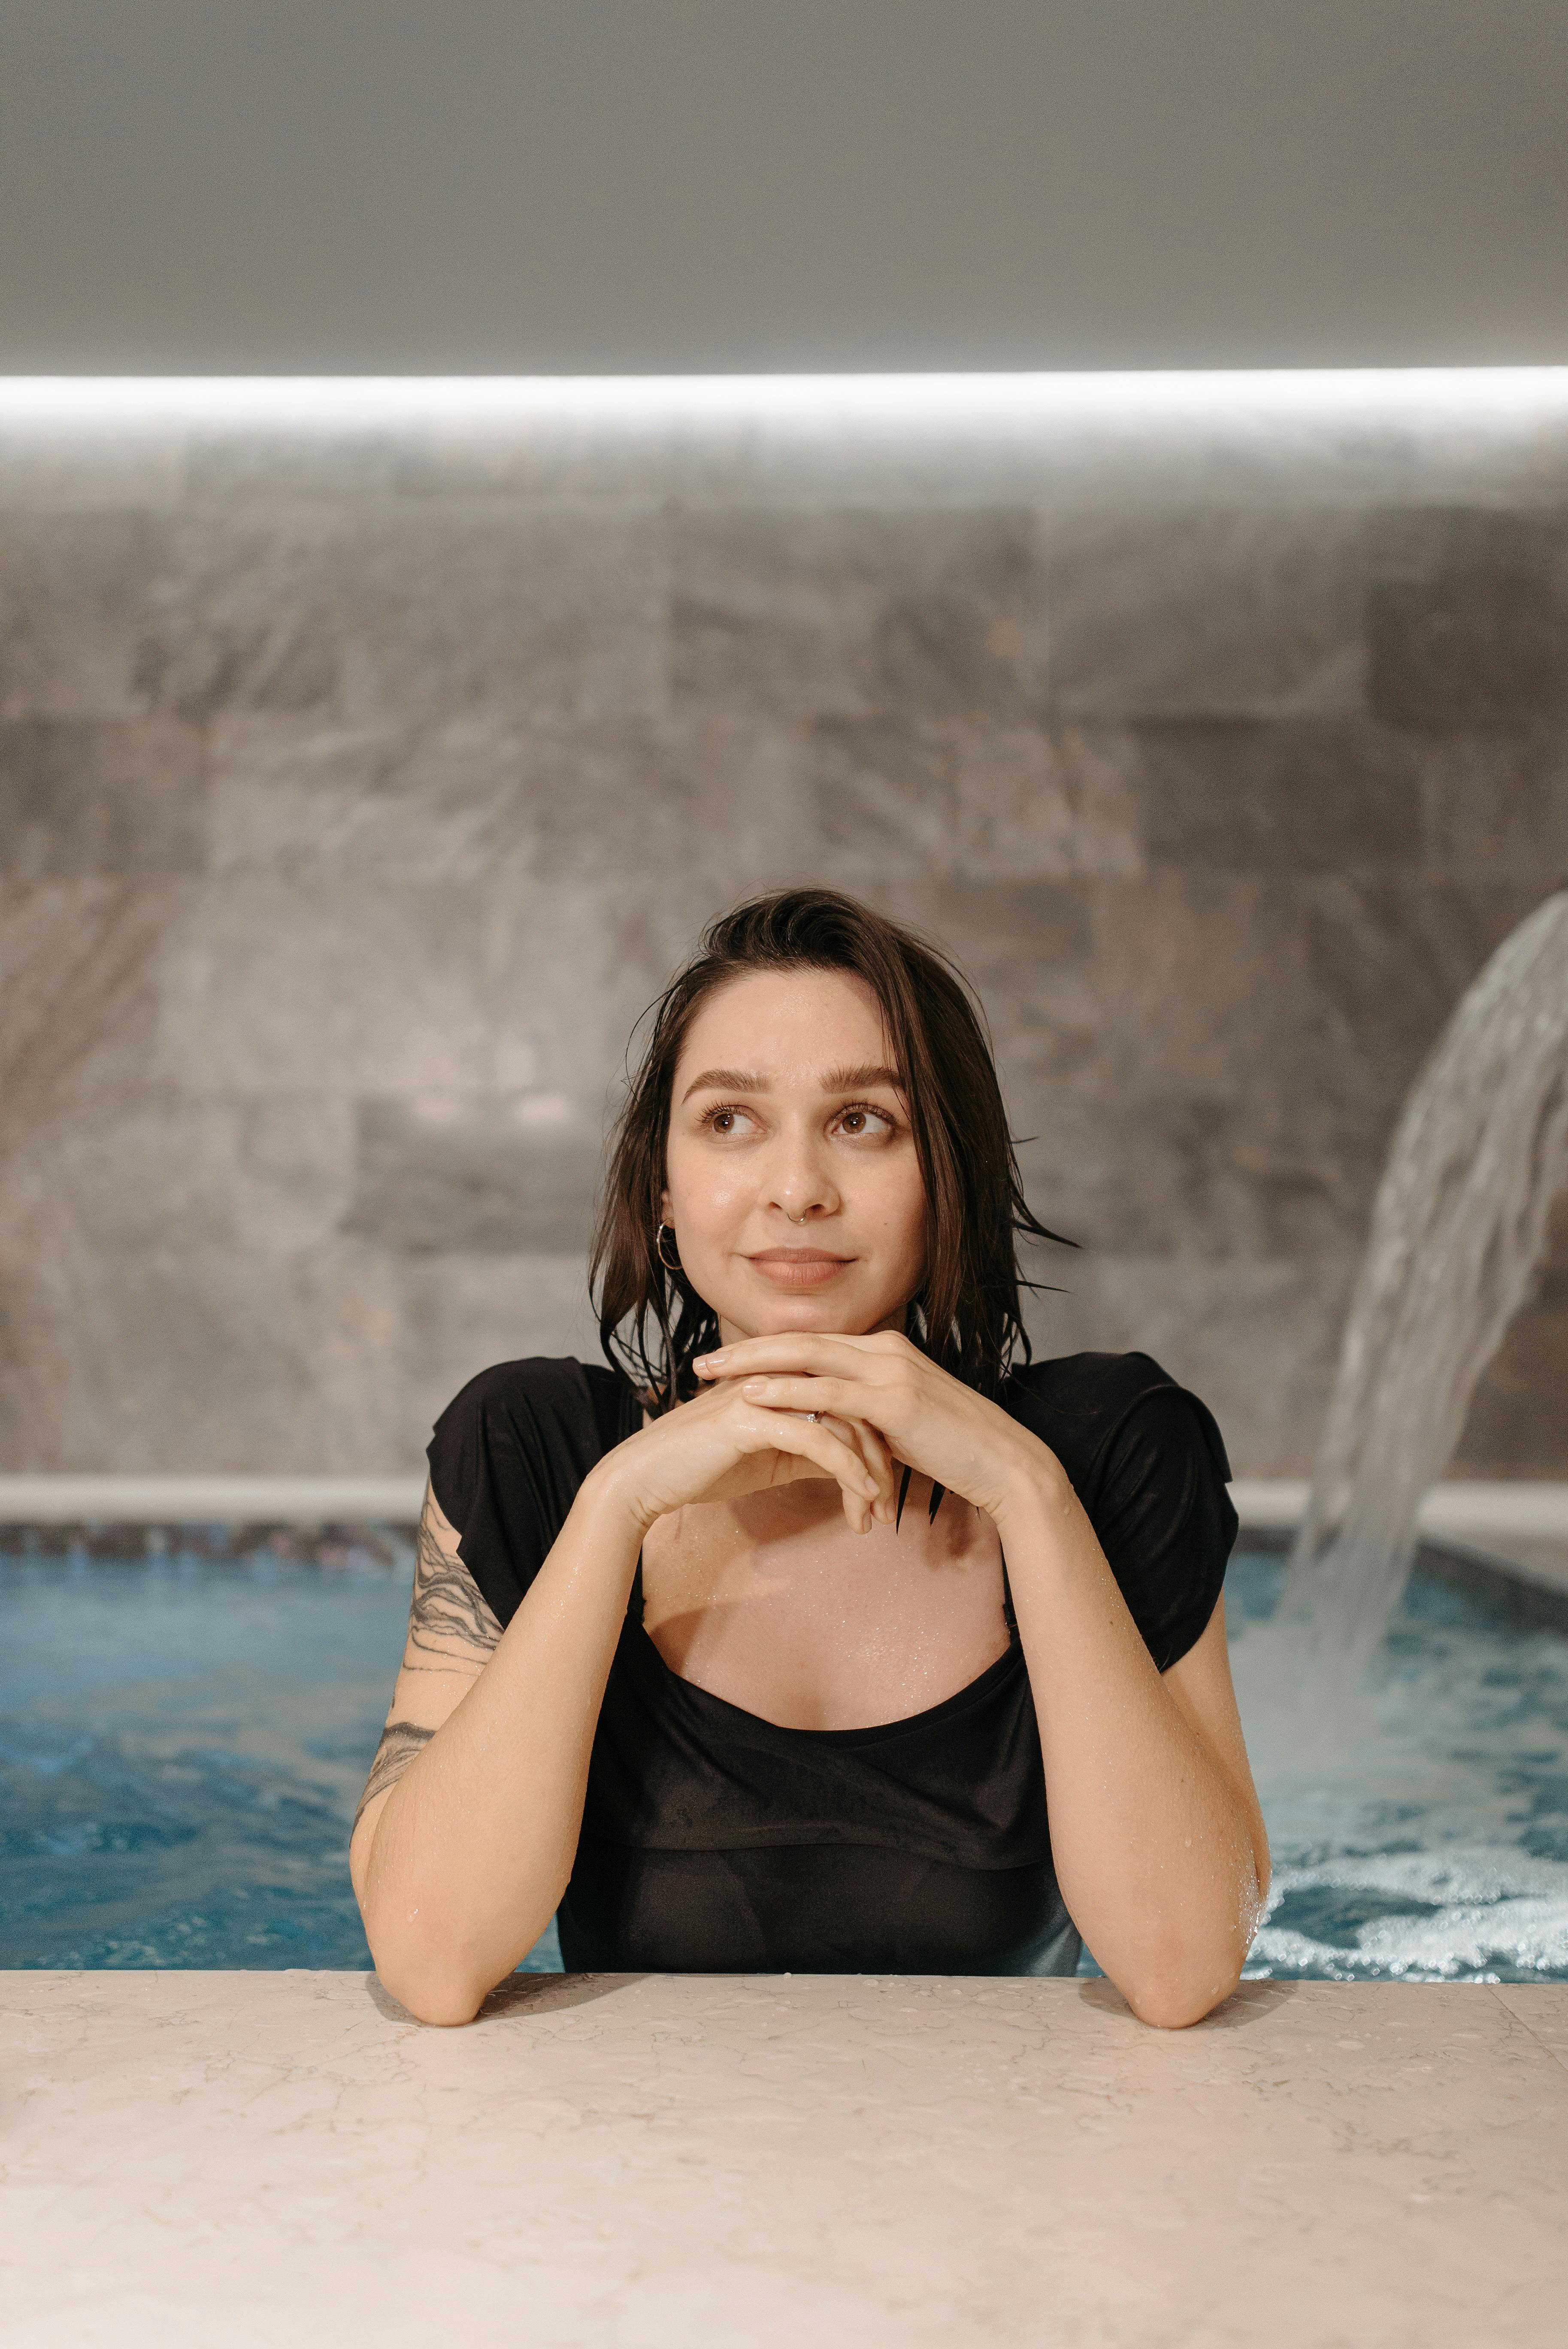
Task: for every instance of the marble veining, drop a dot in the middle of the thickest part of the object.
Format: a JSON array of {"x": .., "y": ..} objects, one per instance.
[{"x": 639, "y": 2160}]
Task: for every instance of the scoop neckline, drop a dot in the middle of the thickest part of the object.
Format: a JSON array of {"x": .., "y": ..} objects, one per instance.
[{"x": 875, "y": 1731}]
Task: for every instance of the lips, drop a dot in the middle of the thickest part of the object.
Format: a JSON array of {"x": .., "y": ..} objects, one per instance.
[{"x": 798, "y": 1267}]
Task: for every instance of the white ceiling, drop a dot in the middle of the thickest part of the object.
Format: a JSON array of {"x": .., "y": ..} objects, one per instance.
[{"x": 634, "y": 186}]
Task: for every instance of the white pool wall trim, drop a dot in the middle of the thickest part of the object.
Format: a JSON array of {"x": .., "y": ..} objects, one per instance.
[
  {"x": 1476, "y": 1512},
  {"x": 1527, "y": 1512},
  {"x": 211, "y": 1500},
  {"x": 1520, "y": 1526}
]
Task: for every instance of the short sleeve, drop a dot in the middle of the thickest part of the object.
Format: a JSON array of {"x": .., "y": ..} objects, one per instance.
[
  {"x": 1164, "y": 1518},
  {"x": 507, "y": 1458}
]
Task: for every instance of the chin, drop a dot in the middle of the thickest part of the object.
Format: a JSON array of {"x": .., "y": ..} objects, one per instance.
[{"x": 778, "y": 1316}]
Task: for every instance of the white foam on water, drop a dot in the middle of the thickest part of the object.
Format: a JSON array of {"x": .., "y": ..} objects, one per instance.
[
  {"x": 1424, "y": 1834},
  {"x": 1525, "y": 1929}
]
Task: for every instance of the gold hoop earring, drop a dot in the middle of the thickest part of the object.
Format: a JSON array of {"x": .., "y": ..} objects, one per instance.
[{"x": 660, "y": 1248}]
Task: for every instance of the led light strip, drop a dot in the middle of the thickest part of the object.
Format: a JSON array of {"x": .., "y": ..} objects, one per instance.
[{"x": 910, "y": 402}]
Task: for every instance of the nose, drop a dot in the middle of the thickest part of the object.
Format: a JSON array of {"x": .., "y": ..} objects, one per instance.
[{"x": 799, "y": 1184}]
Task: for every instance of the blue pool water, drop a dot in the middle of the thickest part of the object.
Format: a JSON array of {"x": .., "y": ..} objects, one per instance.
[
  {"x": 1433, "y": 1845},
  {"x": 183, "y": 1741},
  {"x": 183, "y": 1738}
]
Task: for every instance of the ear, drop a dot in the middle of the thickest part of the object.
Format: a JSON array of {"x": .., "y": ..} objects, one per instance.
[{"x": 664, "y": 1213}]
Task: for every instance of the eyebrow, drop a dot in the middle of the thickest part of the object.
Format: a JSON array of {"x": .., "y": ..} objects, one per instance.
[{"x": 833, "y": 1081}]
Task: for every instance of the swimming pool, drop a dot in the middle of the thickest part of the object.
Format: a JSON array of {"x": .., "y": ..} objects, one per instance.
[
  {"x": 184, "y": 1733},
  {"x": 183, "y": 1737},
  {"x": 1434, "y": 1846}
]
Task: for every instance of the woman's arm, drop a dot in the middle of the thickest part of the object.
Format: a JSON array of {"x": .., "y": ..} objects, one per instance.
[
  {"x": 468, "y": 1824},
  {"x": 1156, "y": 1832},
  {"x": 468, "y": 1830},
  {"x": 452, "y": 1634}
]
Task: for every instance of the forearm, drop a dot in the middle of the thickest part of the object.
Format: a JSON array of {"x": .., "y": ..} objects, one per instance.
[
  {"x": 1157, "y": 1850},
  {"x": 475, "y": 1843}
]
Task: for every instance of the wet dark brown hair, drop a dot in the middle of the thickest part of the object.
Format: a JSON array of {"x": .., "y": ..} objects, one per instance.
[{"x": 967, "y": 1315}]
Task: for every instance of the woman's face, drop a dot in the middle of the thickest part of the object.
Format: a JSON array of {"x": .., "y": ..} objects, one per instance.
[{"x": 792, "y": 1184}]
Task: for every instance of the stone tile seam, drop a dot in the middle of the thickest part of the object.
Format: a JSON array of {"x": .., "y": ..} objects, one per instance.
[{"x": 1559, "y": 2056}]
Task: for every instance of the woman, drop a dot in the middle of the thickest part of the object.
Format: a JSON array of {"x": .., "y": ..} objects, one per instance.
[{"x": 820, "y": 1636}]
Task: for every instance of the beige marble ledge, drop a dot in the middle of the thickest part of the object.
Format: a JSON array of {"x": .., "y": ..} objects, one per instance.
[{"x": 244, "y": 2160}]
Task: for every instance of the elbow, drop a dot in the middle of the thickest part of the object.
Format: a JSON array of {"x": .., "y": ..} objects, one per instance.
[
  {"x": 443, "y": 2007},
  {"x": 440, "y": 1996},
  {"x": 1174, "y": 2005},
  {"x": 1178, "y": 1986},
  {"x": 427, "y": 1976},
  {"x": 1186, "y": 1974},
  {"x": 443, "y": 1978}
]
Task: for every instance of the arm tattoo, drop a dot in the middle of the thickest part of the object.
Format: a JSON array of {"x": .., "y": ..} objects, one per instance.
[
  {"x": 452, "y": 1629},
  {"x": 450, "y": 1617},
  {"x": 400, "y": 1741}
]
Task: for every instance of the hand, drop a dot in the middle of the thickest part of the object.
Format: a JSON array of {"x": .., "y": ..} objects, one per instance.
[
  {"x": 723, "y": 1445},
  {"x": 925, "y": 1417}
]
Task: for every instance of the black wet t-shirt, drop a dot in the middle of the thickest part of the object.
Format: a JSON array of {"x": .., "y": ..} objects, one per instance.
[{"x": 716, "y": 1842}]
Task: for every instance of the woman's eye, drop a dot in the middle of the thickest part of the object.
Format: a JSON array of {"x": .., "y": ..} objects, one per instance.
[
  {"x": 864, "y": 1121},
  {"x": 726, "y": 1122}
]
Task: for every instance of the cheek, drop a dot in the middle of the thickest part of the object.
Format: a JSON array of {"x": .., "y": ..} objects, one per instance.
[
  {"x": 915, "y": 1227},
  {"x": 705, "y": 1193},
  {"x": 902, "y": 1211}
]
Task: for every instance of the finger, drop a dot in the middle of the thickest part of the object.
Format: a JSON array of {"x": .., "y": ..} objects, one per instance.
[
  {"x": 850, "y": 1403},
  {"x": 869, "y": 1441},
  {"x": 874, "y": 1451},
  {"x": 883, "y": 1408},
  {"x": 813, "y": 1440},
  {"x": 862, "y": 1501},
  {"x": 845, "y": 1398},
  {"x": 796, "y": 1350},
  {"x": 872, "y": 1447}
]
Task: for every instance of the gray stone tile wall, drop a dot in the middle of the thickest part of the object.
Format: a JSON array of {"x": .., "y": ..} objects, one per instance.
[{"x": 358, "y": 788}]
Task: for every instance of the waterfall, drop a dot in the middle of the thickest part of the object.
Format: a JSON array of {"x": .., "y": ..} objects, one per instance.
[{"x": 1457, "y": 1231}]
